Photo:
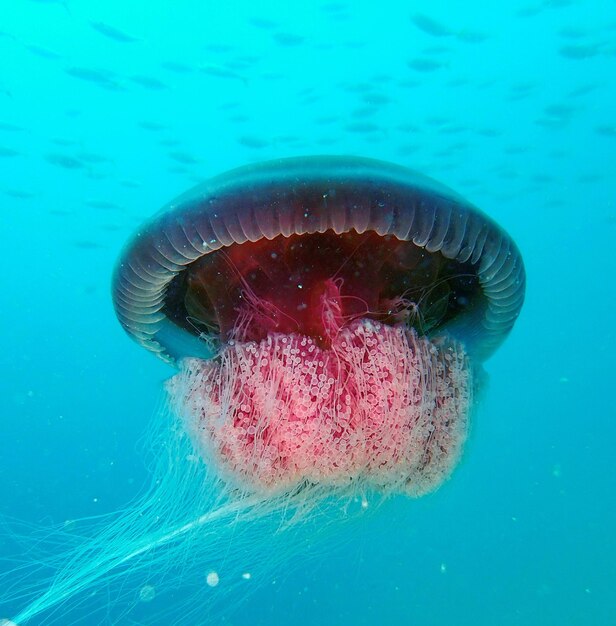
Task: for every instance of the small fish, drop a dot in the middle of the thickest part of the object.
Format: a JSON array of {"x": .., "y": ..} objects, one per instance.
[
  {"x": 430, "y": 26},
  {"x": 516, "y": 149},
  {"x": 249, "y": 59},
  {"x": 178, "y": 68},
  {"x": 589, "y": 178},
  {"x": 409, "y": 83},
  {"x": 553, "y": 123},
  {"x": 259, "y": 22},
  {"x": 222, "y": 72},
  {"x": 96, "y": 175},
  {"x": 580, "y": 51},
  {"x": 149, "y": 82},
  {"x": 438, "y": 120},
  {"x": 362, "y": 128},
  {"x": 376, "y": 99},
  {"x": 44, "y": 53},
  {"x": 458, "y": 145},
  {"x": 310, "y": 99},
  {"x": 240, "y": 118},
  {"x": 62, "y": 3},
  {"x": 183, "y": 157},
  {"x": 228, "y": 106},
  {"x": 288, "y": 39},
  {"x": 408, "y": 148},
  {"x": 489, "y": 132},
  {"x": 516, "y": 97},
  {"x": 541, "y": 179},
  {"x": 471, "y": 182},
  {"x": 218, "y": 48},
  {"x": 252, "y": 142},
  {"x": 152, "y": 126},
  {"x": 425, "y": 65},
  {"x": 606, "y": 130},
  {"x": 507, "y": 173},
  {"x": 10, "y": 127},
  {"x": 364, "y": 112},
  {"x": 557, "y": 4},
  {"x": 454, "y": 129},
  {"x": 572, "y": 32},
  {"x": 272, "y": 76},
  {"x": 382, "y": 77},
  {"x": 102, "y": 204},
  {"x": 169, "y": 143},
  {"x": 287, "y": 139},
  {"x": 561, "y": 111},
  {"x": 529, "y": 11},
  {"x": 91, "y": 157},
  {"x": 523, "y": 87},
  {"x": 358, "y": 87},
  {"x": 327, "y": 119},
  {"x": 61, "y": 141},
  {"x": 64, "y": 161},
  {"x": 112, "y": 228},
  {"x": 408, "y": 128},
  {"x": 334, "y": 7},
  {"x": 112, "y": 33},
  {"x": 339, "y": 16},
  {"x": 582, "y": 90},
  {"x": 130, "y": 184},
  {"x": 238, "y": 64},
  {"x": 103, "y": 78},
  {"x": 430, "y": 50},
  {"x": 470, "y": 36},
  {"x": 19, "y": 193}
]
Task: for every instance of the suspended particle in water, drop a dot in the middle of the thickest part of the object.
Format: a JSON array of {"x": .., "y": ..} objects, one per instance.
[{"x": 147, "y": 593}]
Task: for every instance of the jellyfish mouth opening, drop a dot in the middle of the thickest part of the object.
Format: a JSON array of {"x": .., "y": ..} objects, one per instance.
[
  {"x": 334, "y": 367},
  {"x": 305, "y": 283},
  {"x": 379, "y": 409}
]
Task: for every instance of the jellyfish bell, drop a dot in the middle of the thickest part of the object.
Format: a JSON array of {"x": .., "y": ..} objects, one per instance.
[
  {"x": 346, "y": 302},
  {"x": 283, "y": 229},
  {"x": 328, "y": 318}
]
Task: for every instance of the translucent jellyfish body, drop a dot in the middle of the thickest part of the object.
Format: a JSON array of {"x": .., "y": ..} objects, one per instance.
[{"x": 328, "y": 318}]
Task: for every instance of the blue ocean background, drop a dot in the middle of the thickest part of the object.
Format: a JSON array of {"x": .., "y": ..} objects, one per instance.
[{"x": 109, "y": 110}]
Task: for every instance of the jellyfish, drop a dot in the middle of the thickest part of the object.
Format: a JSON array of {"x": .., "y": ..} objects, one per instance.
[{"x": 327, "y": 318}]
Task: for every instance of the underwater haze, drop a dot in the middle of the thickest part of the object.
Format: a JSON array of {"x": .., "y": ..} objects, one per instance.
[{"x": 109, "y": 110}]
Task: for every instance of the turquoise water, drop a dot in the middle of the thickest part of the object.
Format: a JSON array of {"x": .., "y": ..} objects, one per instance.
[{"x": 108, "y": 110}]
